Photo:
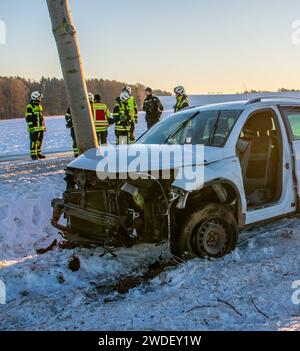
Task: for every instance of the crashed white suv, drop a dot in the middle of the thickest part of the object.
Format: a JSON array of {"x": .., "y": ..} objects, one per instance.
[{"x": 249, "y": 171}]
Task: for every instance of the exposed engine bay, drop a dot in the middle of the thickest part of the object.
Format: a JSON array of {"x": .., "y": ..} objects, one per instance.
[{"x": 113, "y": 212}]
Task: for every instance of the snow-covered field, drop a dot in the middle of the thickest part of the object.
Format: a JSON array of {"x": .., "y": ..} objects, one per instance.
[
  {"x": 14, "y": 136},
  {"x": 250, "y": 289}
]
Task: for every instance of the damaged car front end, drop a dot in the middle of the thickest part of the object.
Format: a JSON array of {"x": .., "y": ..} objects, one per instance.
[
  {"x": 114, "y": 211},
  {"x": 173, "y": 185}
]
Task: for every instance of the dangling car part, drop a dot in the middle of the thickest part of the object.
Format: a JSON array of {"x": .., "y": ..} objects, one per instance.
[{"x": 99, "y": 211}]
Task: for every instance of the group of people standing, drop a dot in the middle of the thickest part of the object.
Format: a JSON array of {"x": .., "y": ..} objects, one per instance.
[{"x": 124, "y": 117}]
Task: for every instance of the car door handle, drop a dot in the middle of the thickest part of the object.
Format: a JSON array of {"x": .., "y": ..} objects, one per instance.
[{"x": 287, "y": 166}]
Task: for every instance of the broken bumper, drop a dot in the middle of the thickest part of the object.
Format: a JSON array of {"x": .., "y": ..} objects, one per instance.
[{"x": 99, "y": 225}]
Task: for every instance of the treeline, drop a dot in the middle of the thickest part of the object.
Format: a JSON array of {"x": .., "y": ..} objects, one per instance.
[
  {"x": 15, "y": 94},
  {"x": 281, "y": 90}
]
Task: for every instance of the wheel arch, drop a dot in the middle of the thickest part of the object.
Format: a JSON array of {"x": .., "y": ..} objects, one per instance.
[{"x": 221, "y": 191}]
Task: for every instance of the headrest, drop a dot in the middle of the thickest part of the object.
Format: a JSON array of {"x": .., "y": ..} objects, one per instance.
[{"x": 260, "y": 122}]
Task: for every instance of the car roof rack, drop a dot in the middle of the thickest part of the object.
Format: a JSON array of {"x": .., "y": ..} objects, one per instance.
[{"x": 271, "y": 97}]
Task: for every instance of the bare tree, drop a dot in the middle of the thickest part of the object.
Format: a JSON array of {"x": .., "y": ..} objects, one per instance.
[{"x": 71, "y": 64}]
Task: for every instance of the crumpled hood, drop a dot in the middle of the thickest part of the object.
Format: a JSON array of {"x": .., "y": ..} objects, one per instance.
[{"x": 143, "y": 158}]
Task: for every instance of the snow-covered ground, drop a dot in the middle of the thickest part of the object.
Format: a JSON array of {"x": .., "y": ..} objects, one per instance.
[
  {"x": 14, "y": 136},
  {"x": 250, "y": 289}
]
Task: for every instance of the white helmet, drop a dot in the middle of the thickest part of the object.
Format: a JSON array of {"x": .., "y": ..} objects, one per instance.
[
  {"x": 91, "y": 97},
  {"x": 36, "y": 95},
  {"x": 179, "y": 90},
  {"x": 124, "y": 96},
  {"x": 128, "y": 89}
]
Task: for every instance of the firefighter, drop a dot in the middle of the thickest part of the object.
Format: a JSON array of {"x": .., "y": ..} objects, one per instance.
[
  {"x": 102, "y": 119},
  {"x": 36, "y": 125},
  {"x": 123, "y": 119},
  {"x": 153, "y": 108},
  {"x": 182, "y": 99},
  {"x": 91, "y": 98},
  {"x": 133, "y": 110},
  {"x": 69, "y": 125}
]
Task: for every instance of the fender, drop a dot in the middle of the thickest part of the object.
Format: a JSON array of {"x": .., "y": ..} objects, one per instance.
[
  {"x": 231, "y": 175},
  {"x": 241, "y": 215}
]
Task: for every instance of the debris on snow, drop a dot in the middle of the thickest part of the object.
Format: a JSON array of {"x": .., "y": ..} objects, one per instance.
[
  {"x": 74, "y": 263},
  {"x": 47, "y": 249}
]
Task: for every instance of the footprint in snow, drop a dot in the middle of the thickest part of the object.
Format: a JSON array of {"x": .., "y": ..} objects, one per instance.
[
  {"x": 3, "y": 212},
  {"x": 36, "y": 215},
  {"x": 18, "y": 222}
]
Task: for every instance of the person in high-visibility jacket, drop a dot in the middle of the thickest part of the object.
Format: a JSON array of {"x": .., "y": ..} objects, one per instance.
[
  {"x": 102, "y": 119},
  {"x": 69, "y": 125},
  {"x": 182, "y": 99},
  {"x": 122, "y": 118},
  {"x": 133, "y": 112},
  {"x": 36, "y": 125}
]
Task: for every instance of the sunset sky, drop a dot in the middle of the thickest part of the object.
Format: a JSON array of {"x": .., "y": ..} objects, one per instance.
[{"x": 205, "y": 45}]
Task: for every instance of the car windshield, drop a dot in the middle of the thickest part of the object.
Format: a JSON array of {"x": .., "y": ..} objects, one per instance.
[{"x": 210, "y": 128}]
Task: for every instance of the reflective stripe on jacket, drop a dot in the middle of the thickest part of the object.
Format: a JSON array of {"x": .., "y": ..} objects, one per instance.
[
  {"x": 101, "y": 115},
  {"x": 122, "y": 117},
  {"x": 182, "y": 102},
  {"x": 68, "y": 118},
  {"x": 133, "y": 109},
  {"x": 35, "y": 117}
]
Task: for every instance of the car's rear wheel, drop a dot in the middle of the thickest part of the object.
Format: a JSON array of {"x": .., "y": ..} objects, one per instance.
[{"x": 209, "y": 232}]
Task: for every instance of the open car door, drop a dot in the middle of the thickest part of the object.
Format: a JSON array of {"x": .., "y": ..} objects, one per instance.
[{"x": 291, "y": 115}]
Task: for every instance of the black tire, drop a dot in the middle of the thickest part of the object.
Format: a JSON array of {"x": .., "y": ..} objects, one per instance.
[{"x": 209, "y": 232}]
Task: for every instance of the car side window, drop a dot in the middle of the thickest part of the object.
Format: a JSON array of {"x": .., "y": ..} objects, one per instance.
[
  {"x": 185, "y": 134},
  {"x": 220, "y": 127},
  {"x": 209, "y": 128},
  {"x": 292, "y": 115}
]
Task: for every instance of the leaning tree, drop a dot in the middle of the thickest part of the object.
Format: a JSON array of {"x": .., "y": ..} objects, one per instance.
[{"x": 72, "y": 69}]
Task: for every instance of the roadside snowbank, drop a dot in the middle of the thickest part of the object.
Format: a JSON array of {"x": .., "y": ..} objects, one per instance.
[{"x": 25, "y": 210}]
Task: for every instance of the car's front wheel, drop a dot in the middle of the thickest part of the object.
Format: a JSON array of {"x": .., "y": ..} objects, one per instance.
[{"x": 209, "y": 232}]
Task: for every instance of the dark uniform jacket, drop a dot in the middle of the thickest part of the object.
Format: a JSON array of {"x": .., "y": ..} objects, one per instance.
[
  {"x": 68, "y": 117},
  {"x": 153, "y": 108}
]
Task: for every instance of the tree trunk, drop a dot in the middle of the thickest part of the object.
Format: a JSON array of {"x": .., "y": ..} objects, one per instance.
[{"x": 71, "y": 64}]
